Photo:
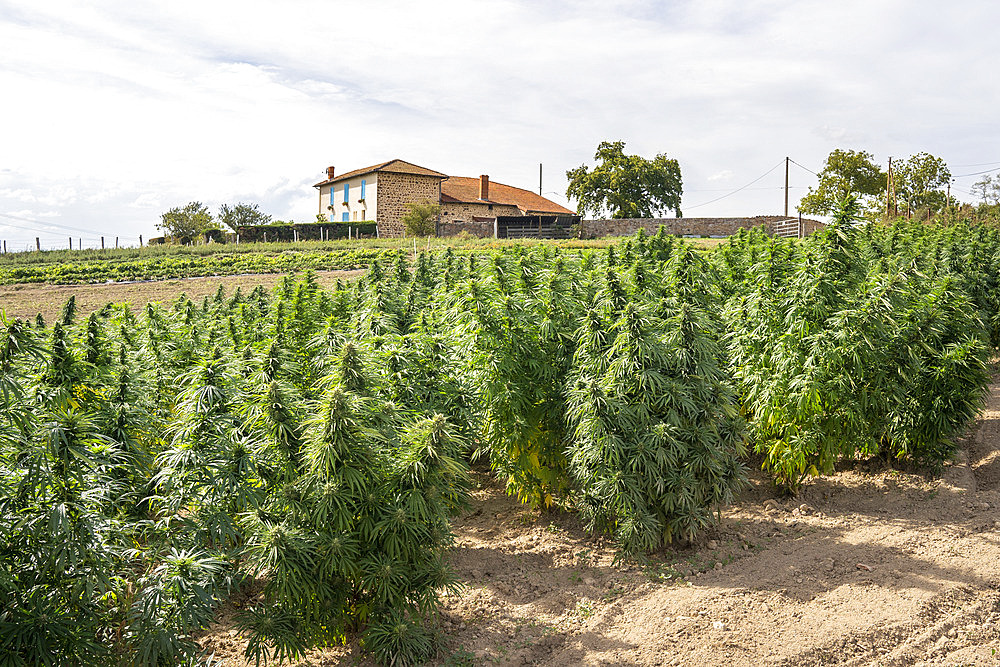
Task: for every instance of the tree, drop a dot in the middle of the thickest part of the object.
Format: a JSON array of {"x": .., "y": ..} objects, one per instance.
[
  {"x": 846, "y": 173},
  {"x": 988, "y": 188},
  {"x": 627, "y": 186},
  {"x": 420, "y": 219},
  {"x": 920, "y": 182},
  {"x": 242, "y": 215},
  {"x": 184, "y": 224}
]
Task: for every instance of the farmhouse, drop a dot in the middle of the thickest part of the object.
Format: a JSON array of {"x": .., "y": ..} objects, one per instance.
[{"x": 380, "y": 193}]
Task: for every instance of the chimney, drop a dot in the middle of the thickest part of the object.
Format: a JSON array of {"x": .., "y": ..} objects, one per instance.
[
  {"x": 484, "y": 187},
  {"x": 329, "y": 173}
]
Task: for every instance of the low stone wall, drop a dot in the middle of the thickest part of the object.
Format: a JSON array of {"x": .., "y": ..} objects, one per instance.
[
  {"x": 481, "y": 230},
  {"x": 682, "y": 226}
]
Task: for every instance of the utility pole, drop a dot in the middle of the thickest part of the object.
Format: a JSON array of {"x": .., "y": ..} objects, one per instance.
[
  {"x": 888, "y": 189},
  {"x": 539, "y": 179},
  {"x": 786, "y": 186}
]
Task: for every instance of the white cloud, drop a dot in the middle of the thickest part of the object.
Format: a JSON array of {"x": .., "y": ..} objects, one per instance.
[{"x": 126, "y": 109}]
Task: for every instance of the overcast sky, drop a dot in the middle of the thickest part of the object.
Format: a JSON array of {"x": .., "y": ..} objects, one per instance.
[{"x": 115, "y": 111}]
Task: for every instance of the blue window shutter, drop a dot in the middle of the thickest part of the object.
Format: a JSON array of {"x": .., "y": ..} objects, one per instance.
[
  {"x": 362, "y": 188},
  {"x": 344, "y": 217},
  {"x": 347, "y": 190},
  {"x": 332, "y": 195}
]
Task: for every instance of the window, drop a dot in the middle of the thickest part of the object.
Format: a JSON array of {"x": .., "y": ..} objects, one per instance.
[
  {"x": 345, "y": 217},
  {"x": 362, "y": 215},
  {"x": 355, "y": 215},
  {"x": 362, "y": 190},
  {"x": 332, "y": 195},
  {"x": 347, "y": 193}
]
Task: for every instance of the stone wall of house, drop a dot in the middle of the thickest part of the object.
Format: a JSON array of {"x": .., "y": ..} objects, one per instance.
[
  {"x": 682, "y": 226},
  {"x": 395, "y": 191},
  {"x": 481, "y": 230},
  {"x": 456, "y": 212}
]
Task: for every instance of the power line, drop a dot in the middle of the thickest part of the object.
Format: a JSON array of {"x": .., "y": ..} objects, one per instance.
[
  {"x": 978, "y": 164},
  {"x": 975, "y": 173},
  {"x": 803, "y": 167},
  {"x": 776, "y": 187},
  {"x": 50, "y": 224},
  {"x": 712, "y": 201}
]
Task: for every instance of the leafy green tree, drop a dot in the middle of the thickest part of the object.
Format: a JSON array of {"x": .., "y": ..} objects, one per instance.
[
  {"x": 626, "y": 186},
  {"x": 185, "y": 223},
  {"x": 920, "y": 182},
  {"x": 420, "y": 218},
  {"x": 242, "y": 215},
  {"x": 846, "y": 172}
]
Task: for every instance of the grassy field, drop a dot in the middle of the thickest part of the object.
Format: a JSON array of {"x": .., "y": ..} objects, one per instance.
[{"x": 162, "y": 262}]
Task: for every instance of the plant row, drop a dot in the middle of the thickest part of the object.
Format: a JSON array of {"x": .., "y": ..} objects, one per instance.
[{"x": 311, "y": 446}]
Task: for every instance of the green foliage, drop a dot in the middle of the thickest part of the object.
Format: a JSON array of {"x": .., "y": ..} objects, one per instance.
[
  {"x": 846, "y": 172},
  {"x": 626, "y": 186},
  {"x": 831, "y": 340},
  {"x": 186, "y": 223},
  {"x": 657, "y": 430},
  {"x": 920, "y": 182},
  {"x": 420, "y": 218},
  {"x": 242, "y": 215},
  {"x": 315, "y": 441}
]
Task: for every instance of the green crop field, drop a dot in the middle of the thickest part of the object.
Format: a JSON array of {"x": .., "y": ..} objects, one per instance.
[{"x": 314, "y": 442}]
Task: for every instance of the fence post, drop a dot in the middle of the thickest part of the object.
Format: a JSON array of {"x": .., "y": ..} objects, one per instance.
[
  {"x": 38, "y": 244},
  {"x": 116, "y": 243},
  {"x": 237, "y": 239},
  {"x": 102, "y": 243},
  {"x": 140, "y": 240},
  {"x": 265, "y": 237},
  {"x": 71, "y": 243}
]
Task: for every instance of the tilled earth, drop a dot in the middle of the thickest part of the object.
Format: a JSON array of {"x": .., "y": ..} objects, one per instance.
[{"x": 870, "y": 566}]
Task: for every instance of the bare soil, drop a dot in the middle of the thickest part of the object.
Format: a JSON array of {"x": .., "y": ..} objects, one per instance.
[
  {"x": 870, "y": 566},
  {"x": 26, "y": 301}
]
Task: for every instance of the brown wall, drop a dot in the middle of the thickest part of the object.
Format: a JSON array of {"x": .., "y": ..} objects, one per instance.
[
  {"x": 695, "y": 226},
  {"x": 479, "y": 229},
  {"x": 395, "y": 191},
  {"x": 464, "y": 211}
]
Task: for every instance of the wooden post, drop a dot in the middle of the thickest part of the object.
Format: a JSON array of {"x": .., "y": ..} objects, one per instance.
[
  {"x": 116, "y": 243},
  {"x": 140, "y": 240},
  {"x": 5, "y": 247},
  {"x": 71, "y": 243},
  {"x": 786, "y": 186},
  {"x": 79, "y": 246},
  {"x": 237, "y": 239},
  {"x": 265, "y": 237},
  {"x": 38, "y": 244},
  {"x": 102, "y": 243},
  {"x": 800, "y": 224}
]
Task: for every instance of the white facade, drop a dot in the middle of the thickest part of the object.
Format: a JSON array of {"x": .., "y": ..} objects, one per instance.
[{"x": 357, "y": 204}]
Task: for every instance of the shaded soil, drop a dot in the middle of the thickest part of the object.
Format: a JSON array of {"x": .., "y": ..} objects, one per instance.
[
  {"x": 870, "y": 566},
  {"x": 26, "y": 301}
]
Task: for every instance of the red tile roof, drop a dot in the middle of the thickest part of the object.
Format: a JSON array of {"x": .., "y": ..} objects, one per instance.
[
  {"x": 392, "y": 166},
  {"x": 466, "y": 190}
]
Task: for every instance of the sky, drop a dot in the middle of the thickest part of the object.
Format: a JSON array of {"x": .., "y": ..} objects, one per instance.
[{"x": 112, "y": 112}]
